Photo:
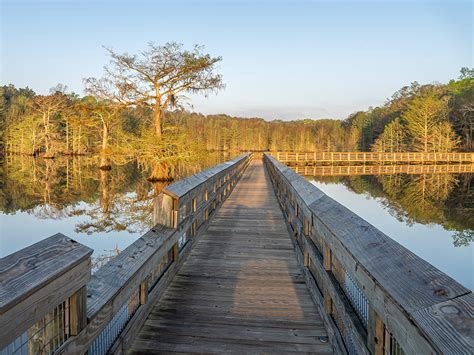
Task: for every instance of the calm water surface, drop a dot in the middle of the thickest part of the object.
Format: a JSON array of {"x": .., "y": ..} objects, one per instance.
[
  {"x": 430, "y": 214},
  {"x": 105, "y": 210}
]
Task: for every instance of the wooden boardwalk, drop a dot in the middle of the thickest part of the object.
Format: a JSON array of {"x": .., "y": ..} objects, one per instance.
[{"x": 241, "y": 289}]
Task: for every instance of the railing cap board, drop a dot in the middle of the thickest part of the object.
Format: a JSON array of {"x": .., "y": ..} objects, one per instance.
[
  {"x": 28, "y": 270},
  {"x": 306, "y": 190},
  {"x": 453, "y": 319},
  {"x": 421, "y": 290},
  {"x": 182, "y": 187},
  {"x": 111, "y": 278},
  {"x": 413, "y": 282}
]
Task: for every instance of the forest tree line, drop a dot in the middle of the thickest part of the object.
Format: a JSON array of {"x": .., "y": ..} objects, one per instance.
[{"x": 422, "y": 118}]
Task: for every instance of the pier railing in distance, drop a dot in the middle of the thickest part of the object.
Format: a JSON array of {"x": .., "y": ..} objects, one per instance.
[
  {"x": 309, "y": 158},
  {"x": 49, "y": 302},
  {"x": 376, "y": 297}
]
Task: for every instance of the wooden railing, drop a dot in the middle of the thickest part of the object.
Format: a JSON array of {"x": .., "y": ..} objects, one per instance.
[
  {"x": 351, "y": 170},
  {"x": 375, "y": 295},
  {"x": 371, "y": 157},
  {"x": 48, "y": 286},
  {"x": 42, "y": 295}
]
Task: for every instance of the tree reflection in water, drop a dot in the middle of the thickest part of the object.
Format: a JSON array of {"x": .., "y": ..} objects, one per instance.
[
  {"x": 444, "y": 199},
  {"x": 96, "y": 201}
]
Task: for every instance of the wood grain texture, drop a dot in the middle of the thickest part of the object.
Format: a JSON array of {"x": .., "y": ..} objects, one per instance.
[
  {"x": 401, "y": 288},
  {"x": 450, "y": 319},
  {"x": 24, "y": 272},
  {"x": 36, "y": 279},
  {"x": 182, "y": 187},
  {"x": 114, "y": 283},
  {"x": 241, "y": 289},
  {"x": 128, "y": 270},
  {"x": 421, "y": 286}
]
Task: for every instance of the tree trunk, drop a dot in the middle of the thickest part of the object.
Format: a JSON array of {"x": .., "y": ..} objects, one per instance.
[
  {"x": 46, "y": 135},
  {"x": 105, "y": 192},
  {"x": 157, "y": 120},
  {"x": 104, "y": 161},
  {"x": 105, "y": 136},
  {"x": 79, "y": 140},
  {"x": 161, "y": 172},
  {"x": 67, "y": 137},
  {"x": 425, "y": 138}
]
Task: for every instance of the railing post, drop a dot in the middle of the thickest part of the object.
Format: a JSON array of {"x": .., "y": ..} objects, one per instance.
[
  {"x": 175, "y": 252},
  {"x": 144, "y": 291},
  {"x": 306, "y": 258},
  {"x": 165, "y": 211},
  {"x": 375, "y": 332},
  {"x": 78, "y": 311}
]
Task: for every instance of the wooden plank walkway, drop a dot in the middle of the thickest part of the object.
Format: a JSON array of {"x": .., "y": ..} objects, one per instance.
[{"x": 240, "y": 289}]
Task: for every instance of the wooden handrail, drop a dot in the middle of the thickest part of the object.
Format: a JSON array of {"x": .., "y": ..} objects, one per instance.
[
  {"x": 121, "y": 294},
  {"x": 375, "y": 295},
  {"x": 290, "y": 157},
  {"x": 36, "y": 279}
]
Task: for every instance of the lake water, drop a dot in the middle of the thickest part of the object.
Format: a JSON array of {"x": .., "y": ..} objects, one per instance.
[
  {"x": 105, "y": 210},
  {"x": 430, "y": 214}
]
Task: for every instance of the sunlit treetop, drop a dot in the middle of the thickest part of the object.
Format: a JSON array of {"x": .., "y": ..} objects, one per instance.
[{"x": 158, "y": 77}]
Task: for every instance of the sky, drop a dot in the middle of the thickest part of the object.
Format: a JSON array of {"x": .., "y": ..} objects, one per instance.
[{"x": 281, "y": 59}]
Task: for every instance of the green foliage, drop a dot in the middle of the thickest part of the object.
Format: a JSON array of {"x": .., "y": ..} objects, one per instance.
[
  {"x": 463, "y": 238},
  {"x": 422, "y": 119},
  {"x": 393, "y": 138},
  {"x": 416, "y": 118},
  {"x": 428, "y": 118}
]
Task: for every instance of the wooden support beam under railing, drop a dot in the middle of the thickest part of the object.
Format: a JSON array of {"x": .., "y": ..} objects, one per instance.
[{"x": 376, "y": 296}]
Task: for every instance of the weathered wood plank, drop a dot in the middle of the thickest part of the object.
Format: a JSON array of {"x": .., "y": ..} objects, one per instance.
[
  {"x": 113, "y": 285},
  {"x": 121, "y": 273},
  {"x": 241, "y": 289},
  {"x": 24, "y": 272},
  {"x": 399, "y": 285},
  {"x": 38, "y": 278},
  {"x": 448, "y": 320},
  {"x": 185, "y": 185}
]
